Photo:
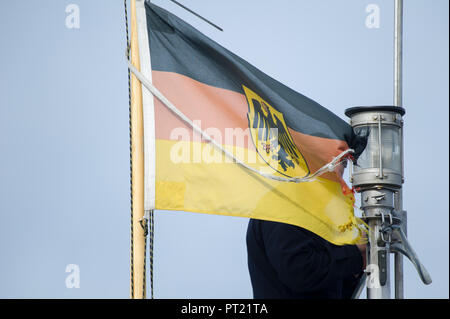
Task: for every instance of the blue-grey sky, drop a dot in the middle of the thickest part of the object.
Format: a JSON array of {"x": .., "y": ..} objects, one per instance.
[{"x": 64, "y": 139}]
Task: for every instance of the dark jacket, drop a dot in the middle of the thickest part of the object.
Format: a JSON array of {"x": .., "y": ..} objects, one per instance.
[{"x": 287, "y": 261}]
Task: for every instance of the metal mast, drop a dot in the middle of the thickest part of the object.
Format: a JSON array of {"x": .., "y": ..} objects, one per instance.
[
  {"x": 379, "y": 177},
  {"x": 398, "y": 101}
]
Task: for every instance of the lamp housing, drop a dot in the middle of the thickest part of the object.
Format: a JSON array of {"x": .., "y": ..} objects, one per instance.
[{"x": 381, "y": 163}]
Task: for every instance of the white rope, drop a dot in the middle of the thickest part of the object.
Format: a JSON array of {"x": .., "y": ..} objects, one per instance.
[{"x": 309, "y": 178}]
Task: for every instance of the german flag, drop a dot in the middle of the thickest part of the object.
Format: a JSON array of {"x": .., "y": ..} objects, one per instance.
[{"x": 263, "y": 123}]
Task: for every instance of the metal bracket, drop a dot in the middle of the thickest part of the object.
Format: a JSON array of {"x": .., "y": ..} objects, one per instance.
[
  {"x": 401, "y": 218},
  {"x": 382, "y": 265},
  {"x": 405, "y": 248}
]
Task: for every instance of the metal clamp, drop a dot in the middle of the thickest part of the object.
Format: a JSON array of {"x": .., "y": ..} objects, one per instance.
[
  {"x": 144, "y": 223},
  {"x": 383, "y": 220},
  {"x": 386, "y": 228}
]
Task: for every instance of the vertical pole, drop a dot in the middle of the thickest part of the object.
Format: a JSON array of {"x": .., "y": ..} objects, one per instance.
[
  {"x": 398, "y": 101},
  {"x": 138, "y": 238},
  {"x": 398, "y": 53}
]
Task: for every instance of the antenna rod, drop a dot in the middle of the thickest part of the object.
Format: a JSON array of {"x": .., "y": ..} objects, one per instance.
[
  {"x": 398, "y": 101},
  {"x": 398, "y": 53},
  {"x": 197, "y": 15}
]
